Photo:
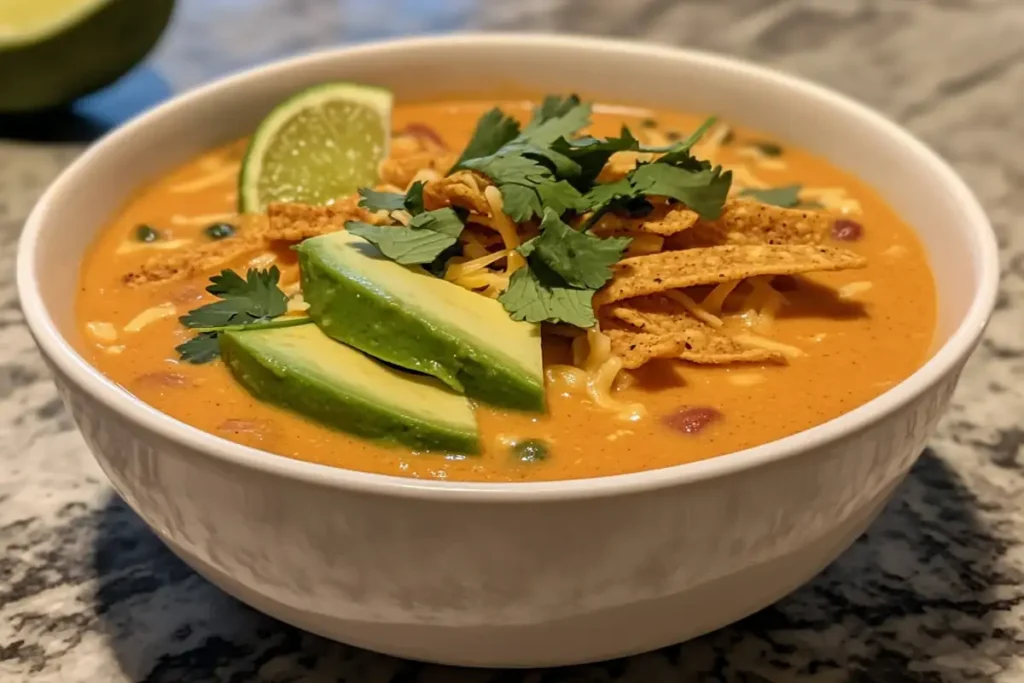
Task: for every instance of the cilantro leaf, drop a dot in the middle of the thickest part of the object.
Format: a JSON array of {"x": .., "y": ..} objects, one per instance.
[
  {"x": 527, "y": 186},
  {"x": 786, "y": 196},
  {"x": 202, "y": 348},
  {"x": 584, "y": 261},
  {"x": 428, "y": 235},
  {"x": 556, "y": 118},
  {"x": 381, "y": 201},
  {"x": 537, "y": 294},
  {"x": 493, "y": 131},
  {"x": 411, "y": 201},
  {"x": 414, "y": 198},
  {"x": 243, "y": 301},
  {"x": 703, "y": 191},
  {"x": 591, "y": 154}
]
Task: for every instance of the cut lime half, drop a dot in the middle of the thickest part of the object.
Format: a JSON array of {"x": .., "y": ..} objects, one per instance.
[{"x": 319, "y": 145}]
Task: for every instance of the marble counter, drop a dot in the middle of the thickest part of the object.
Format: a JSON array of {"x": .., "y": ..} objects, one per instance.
[{"x": 933, "y": 592}]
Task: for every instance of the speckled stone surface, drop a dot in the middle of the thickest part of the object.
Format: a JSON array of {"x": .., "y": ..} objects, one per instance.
[{"x": 933, "y": 592}]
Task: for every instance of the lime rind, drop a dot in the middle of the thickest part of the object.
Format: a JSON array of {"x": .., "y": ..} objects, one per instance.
[{"x": 379, "y": 100}]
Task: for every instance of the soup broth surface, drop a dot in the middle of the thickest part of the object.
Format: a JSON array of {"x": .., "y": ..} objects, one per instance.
[{"x": 861, "y": 331}]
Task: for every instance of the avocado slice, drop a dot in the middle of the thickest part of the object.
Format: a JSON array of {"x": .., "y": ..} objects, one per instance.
[
  {"x": 405, "y": 316},
  {"x": 304, "y": 370}
]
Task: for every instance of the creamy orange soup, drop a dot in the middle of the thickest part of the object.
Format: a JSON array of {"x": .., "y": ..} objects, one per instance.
[{"x": 860, "y": 331}]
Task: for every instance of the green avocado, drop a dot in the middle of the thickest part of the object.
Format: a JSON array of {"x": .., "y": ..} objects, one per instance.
[
  {"x": 54, "y": 51},
  {"x": 407, "y": 317},
  {"x": 304, "y": 370}
]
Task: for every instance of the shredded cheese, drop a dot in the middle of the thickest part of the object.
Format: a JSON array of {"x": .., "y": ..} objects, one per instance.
[
  {"x": 759, "y": 342},
  {"x": 102, "y": 331},
  {"x": 460, "y": 270},
  {"x": 132, "y": 246},
  {"x": 746, "y": 379},
  {"x": 693, "y": 308},
  {"x": 505, "y": 227},
  {"x": 201, "y": 219},
  {"x": 149, "y": 316},
  {"x": 206, "y": 181},
  {"x": 714, "y": 302},
  {"x": 852, "y": 290}
]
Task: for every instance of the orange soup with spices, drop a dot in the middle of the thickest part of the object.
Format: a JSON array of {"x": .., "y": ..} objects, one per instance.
[{"x": 647, "y": 288}]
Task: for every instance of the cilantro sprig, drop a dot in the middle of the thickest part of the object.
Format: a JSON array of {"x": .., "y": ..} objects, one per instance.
[
  {"x": 565, "y": 268},
  {"x": 428, "y": 235},
  {"x": 252, "y": 302},
  {"x": 549, "y": 170}
]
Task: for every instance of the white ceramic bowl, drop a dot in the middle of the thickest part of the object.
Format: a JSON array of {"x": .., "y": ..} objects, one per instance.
[{"x": 512, "y": 574}]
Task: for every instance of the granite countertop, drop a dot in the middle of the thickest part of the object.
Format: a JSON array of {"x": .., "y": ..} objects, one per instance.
[{"x": 933, "y": 592}]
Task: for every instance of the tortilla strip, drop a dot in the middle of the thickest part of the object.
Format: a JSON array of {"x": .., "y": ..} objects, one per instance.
[
  {"x": 664, "y": 329},
  {"x": 744, "y": 222},
  {"x": 642, "y": 275},
  {"x": 293, "y": 222},
  {"x": 185, "y": 263},
  {"x": 462, "y": 189},
  {"x": 664, "y": 220}
]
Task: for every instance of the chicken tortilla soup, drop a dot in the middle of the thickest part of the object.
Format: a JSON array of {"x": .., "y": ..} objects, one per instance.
[{"x": 504, "y": 290}]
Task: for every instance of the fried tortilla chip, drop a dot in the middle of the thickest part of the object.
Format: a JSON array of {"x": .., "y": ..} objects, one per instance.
[
  {"x": 642, "y": 275},
  {"x": 409, "y": 157},
  {"x": 746, "y": 222},
  {"x": 290, "y": 222},
  {"x": 462, "y": 189},
  {"x": 179, "y": 264},
  {"x": 662, "y": 328},
  {"x": 664, "y": 220}
]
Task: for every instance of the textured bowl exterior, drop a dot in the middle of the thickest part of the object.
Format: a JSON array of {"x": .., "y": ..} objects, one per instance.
[
  {"x": 513, "y": 574},
  {"x": 498, "y": 584}
]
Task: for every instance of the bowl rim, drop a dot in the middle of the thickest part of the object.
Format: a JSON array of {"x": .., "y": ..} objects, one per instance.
[{"x": 943, "y": 362}]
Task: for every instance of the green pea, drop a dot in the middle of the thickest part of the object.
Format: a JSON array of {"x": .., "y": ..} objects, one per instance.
[
  {"x": 219, "y": 231},
  {"x": 146, "y": 233},
  {"x": 531, "y": 450}
]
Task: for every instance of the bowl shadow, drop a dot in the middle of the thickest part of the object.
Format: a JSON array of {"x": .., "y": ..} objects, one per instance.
[{"x": 887, "y": 603}]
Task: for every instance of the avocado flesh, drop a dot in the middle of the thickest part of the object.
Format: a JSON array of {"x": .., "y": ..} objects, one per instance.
[
  {"x": 407, "y": 317},
  {"x": 302, "y": 369}
]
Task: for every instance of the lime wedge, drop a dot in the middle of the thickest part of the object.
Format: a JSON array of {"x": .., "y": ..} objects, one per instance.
[
  {"x": 53, "y": 51},
  {"x": 319, "y": 145}
]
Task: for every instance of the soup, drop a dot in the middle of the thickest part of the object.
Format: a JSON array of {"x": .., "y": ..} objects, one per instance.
[{"x": 824, "y": 300}]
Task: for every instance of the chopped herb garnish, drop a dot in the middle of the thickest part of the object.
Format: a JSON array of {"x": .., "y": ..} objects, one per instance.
[
  {"x": 254, "y": 299},
  {"x": 547, "y": 170},
  {"x": 538, "y": 294},
  {"x": 202, "y": 348},
  {"x": 787, "y": 196},
  {"x": 648, "y": 123},
  {"x": 530, "y": 450},
  {"x": 428, "y": 235},
  {"x": 769, "y": 149},
  {"x": 673, "y": 135},
  {"x": 728, "y": 138},
  {"x": 242, "y": 300},
  {"x": 583, "y": 260},
  {"x": 493, "y": 131},
  {"x": 219, "y": 231},
  {"x": 565, "y": 269},
  {"x": 381, "y": 201},
  {"x": 146, "y": 233}
]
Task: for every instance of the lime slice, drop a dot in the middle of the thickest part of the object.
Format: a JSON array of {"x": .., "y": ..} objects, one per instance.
[
  {"x": 53, "y": 51},
  {"x": 319, "y": 145}
]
